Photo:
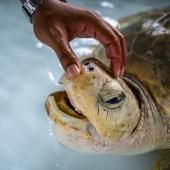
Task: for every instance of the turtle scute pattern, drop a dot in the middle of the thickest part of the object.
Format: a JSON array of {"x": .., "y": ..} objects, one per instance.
[
  {"x": 148, "y": 43},
  {"x": 163, "y": 161}
]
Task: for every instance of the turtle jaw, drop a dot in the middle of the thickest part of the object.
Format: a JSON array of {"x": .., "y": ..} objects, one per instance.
[
  {"x": 61, "y": 100},
  {"x": 64, "y": 116},
  {"x": 72, "y": 128}
]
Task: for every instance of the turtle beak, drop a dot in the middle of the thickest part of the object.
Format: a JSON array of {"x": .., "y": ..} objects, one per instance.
[
  {"x": 59, "y": 102},
  {"x": 64, "y": 116}
]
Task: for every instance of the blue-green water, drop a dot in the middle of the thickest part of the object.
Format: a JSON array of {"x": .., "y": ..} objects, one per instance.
[{"x": 28, "y": 73}]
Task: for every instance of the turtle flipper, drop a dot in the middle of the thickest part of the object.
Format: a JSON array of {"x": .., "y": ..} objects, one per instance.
[{"x": 163, "y": 161}]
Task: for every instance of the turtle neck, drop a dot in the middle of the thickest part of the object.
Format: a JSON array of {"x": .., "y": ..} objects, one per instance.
[
  {"x": 166, "y": 122},
  {"x": 153, "y": 125}
]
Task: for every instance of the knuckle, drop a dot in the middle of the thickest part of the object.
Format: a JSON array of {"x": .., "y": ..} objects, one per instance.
[
  {"x": 92, "y": 14},
  {"x": 63, "y": 60},
  {"x": 121, "y": 36},
  {"x": 53, "y": 27},
  {"x": 55, "y": 31},
  {"x": 58, "y": 31},
  {"x": 67, "y": 60},
  {"x": 115, "y": 40},
  {"x": 65, "y": 55},
  {"x": 115, "y": 43}
]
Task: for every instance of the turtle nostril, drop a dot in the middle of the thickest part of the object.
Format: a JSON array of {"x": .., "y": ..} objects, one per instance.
[
  {"x": 86, "y": 63},
  {"x": 91, "y": 68}
]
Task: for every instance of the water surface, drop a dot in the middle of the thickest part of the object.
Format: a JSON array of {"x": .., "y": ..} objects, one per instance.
[{"x": 29, "y": 71}]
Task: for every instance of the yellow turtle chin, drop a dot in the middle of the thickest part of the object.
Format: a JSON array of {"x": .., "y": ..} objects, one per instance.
[
  {"x": 94, "y": 106},
  {"x": 64, "y": 116}
]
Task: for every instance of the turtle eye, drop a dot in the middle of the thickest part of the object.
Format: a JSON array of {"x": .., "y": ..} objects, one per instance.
[
  {"x": 111, "y": 101},
  {"x": 116, "y": 100}
]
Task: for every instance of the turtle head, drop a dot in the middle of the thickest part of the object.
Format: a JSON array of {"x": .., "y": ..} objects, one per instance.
[{"x": 94, "y": 110}]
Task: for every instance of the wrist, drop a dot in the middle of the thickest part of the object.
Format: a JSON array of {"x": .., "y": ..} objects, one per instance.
[
  {"x": 45, "y": 9},
  {"x": 31, "y": 6}
]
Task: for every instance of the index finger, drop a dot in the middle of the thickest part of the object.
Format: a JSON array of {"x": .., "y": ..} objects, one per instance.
[
  {"x": 123, "y": 46},
  {"x": 100, "y": 30}
]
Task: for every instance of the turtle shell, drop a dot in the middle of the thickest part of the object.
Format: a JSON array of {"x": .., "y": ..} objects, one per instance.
[{"x": 148, "y": 41}]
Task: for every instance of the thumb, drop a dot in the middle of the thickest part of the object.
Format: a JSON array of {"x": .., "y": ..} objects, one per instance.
[{"x": 67, "y": 57}]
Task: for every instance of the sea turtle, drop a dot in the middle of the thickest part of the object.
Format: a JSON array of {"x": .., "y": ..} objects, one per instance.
[{"x": 129, "y": 115}]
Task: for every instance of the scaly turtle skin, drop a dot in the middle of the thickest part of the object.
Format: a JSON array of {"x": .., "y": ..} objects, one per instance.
[
  {"x": 149, "y": 61},
  {"x": 130, "y": 115}
]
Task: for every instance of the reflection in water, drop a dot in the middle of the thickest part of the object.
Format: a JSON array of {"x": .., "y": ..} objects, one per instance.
[
  {"x": 51, "y": 76},
  {"x": 107, "y": 4},
  {"x": 39, "y": 45}
]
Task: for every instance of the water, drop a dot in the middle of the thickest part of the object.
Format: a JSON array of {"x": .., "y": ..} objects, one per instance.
[{"x": 29, "y": 71}]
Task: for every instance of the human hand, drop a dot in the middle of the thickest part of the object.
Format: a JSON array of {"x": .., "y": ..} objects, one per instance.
[{"x": 56, "y": 24}]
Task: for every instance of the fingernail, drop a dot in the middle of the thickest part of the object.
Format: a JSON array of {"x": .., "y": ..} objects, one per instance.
[
  {"x": 116, "y": 71},
  {"x": 122, "y": 71},
  {"x": 73, "y": 70}
]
